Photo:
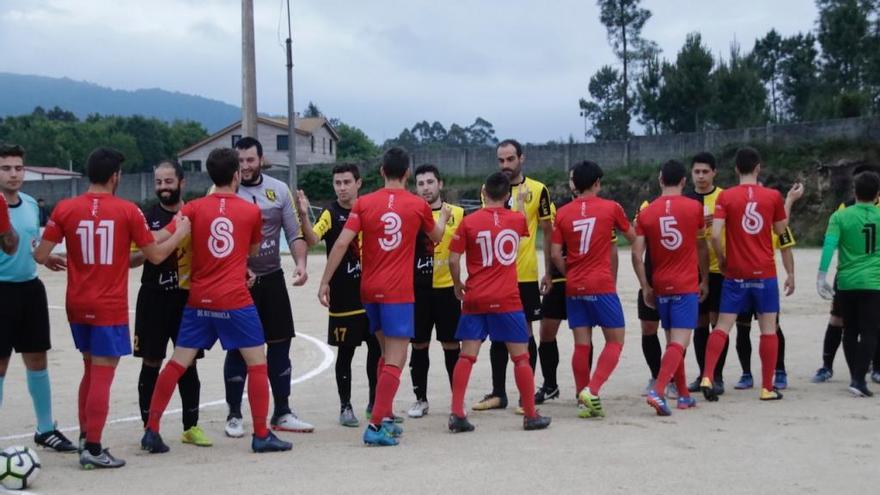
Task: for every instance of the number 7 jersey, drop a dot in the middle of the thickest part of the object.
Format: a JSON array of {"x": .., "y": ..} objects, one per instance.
[{"x": 98, "y": 229}]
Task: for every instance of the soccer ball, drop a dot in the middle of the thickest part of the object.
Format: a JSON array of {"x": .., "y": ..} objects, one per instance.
[{"x": 19, "y": 467}]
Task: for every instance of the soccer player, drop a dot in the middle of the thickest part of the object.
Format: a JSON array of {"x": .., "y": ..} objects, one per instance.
[
  {"x": 784, "y": 244},
  {"x": 852, "y": 232},
  {"x": 160, "y": 302},
  {"x": 585, "y": 226},
  {"x": 672, "y": 228},
  {"x": 532, "y": 199},
  {"x": 491, "y": 300},
  {"x": 98, "y": 229},
  {"x": 436, "y": 304},
  {"x": 388, "y": 220},
  {"x": 348, "y": 324},
  {"x": 745, "y": 215},
  {"x": 226, "y": 229},
  {"x": 703, "y": 170},
  {"x": 268, "y": 291},
  {"x": 23, "y": 306}
]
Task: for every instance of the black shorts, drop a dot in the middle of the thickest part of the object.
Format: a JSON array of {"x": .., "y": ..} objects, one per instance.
[
  {"x": 646, "y": 313},
  {"x": 860, "y": 309},
  {"x": 349, "y": 330},
  {"x": 157, "y": 320},
  {"x": 436, "y": 307},
  {"x": 836, "y": 310},
  {"x": 24, "y": 317},
  {"x": 530, "y": 295},
  {"x": 273, "y": 305},
  {"x": 713, "y": 299},
  {"x": 553, "y": 304}
]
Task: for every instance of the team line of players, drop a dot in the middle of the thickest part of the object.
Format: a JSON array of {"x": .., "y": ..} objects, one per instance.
[{"x": 376, "y": 237}]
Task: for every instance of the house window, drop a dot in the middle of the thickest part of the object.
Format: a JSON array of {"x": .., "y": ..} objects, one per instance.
[
  {"x": 323, "y": 146},
  {"x": 281, "y": 142},
  {"x": 312, "y": 140},
  {"x": 331, "y": 146},
  {"x": 235, "y": 139},
  {"x": 191, "y": 165}
]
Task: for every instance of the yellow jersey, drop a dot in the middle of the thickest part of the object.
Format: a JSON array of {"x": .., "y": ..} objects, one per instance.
[
  {"x": 442, "y": 276},
  {"x": 708, "y": 201},
  {"x": 537, "y": 207}
]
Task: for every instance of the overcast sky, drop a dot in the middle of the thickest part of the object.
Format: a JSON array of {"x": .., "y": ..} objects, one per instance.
[{"x": 381, "y": 65}]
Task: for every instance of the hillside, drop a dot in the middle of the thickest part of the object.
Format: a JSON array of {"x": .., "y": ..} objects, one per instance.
[{"x": 21, "y": 93}]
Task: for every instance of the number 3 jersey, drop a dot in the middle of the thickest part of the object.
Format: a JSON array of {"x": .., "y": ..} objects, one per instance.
[
  {"x": 490, "y": 240},
  {"x": 98, "y": 229},
  {"x": 389, "y": 220},
  {"x": 749, "y": 212},
  {"x": 224, "y": 227},
  {"x": 671, "y": 225},
  {"x": 585, "y": 226}
]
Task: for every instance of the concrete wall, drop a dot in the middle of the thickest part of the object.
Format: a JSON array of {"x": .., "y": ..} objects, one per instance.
[{"x": 648, "y": 149}]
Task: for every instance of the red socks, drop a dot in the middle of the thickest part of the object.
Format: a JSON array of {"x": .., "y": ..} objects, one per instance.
[
  {"x": 605, "y": 365},
  {"x": 258, "y": 397},
  {"x": 98, "y": 401},
  {"x": 386, "y": 389},
  {"x": 769, "y": 350},
  {"x": 460, "y": 377},
  {"x": 714, "y": 348},
  {"x": 681, "y": 380},
  {"x": 84, "y": 393},
  {"x": 580, "y": 366},
  {"x": 668, "y": 367},
  {"x": 525, "y": 382},
  {"x": 165, "y": 385}
]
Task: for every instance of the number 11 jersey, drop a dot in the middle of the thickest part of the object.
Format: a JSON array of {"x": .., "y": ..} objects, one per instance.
[
  {"x": 389, "y": 219},
  {"x": 98, "y": 230}
]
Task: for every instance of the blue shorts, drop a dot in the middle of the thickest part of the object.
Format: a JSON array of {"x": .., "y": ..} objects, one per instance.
[
  {"x": 760, "y": 295},
  {"x": 236, "y": 328},
  {"x": 602, "y": 310},
  {"x": 393, "y": 319},
  {"x": 101, "y": 340},
  {"x": 678, "y": 310},
  {"x": 500, "y": 327}
]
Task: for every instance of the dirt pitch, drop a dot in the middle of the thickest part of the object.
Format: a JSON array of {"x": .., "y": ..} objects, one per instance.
[{"x": 817, "y": 440}]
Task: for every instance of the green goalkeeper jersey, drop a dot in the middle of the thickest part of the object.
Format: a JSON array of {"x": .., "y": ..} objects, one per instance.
[{"x": 853, "y": 232}]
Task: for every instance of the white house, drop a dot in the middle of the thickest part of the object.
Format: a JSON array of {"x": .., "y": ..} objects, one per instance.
[{"x": 316, "y": 142}]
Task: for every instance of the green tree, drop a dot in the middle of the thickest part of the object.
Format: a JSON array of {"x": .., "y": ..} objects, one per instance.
[
  {"x": 799, "y": 83},
  {"x": 312, "y": 111},
  {"x": 739, "y": 94},
  {"x": 481, "y": 133},
  {"x": 605, "y": 109},
  {"x": 843, "y": 33},
  {"x": 687, "y": 87},
  {"x": 624, "y": 21},
  {"x": 768, "y": 54},
  {"x": 648, "y": 88},
  {"x": 354, "y": 144}
]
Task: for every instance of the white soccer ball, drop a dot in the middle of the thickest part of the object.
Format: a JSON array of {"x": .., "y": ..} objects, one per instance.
[{"x": 19, "y": 467}]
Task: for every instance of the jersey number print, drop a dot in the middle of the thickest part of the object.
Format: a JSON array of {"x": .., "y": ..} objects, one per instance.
[
  {"x": 87, "y": 231},
  {"x": 504, "y": 247},
  {"x": 221, "y": 242}
]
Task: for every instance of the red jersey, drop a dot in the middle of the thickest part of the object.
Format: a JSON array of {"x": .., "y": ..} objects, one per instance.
[
  {"x": 224, "y": 227},
  {"x": 585, "y": 227},
  {"x": 671, "y": 226},
  {"x": 98, "y": 230},
  {"x": 749, "y": 212},
  {"x": 389, "y": 220},
  {"x": 490, "y": 237}
]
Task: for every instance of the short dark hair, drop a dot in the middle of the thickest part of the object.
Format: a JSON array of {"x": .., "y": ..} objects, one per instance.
[
  {"x": 11, "y": 150},
  {"x": 395, "y": 162},
  {"x": 704, "y": 157},
  {"x": 428, "y": 168},
  {"x": 866, "y": 185},
  {"x": 248, "y": 142},
  {"x": 865, "y": 167},
  {"x": 510, "y": 142},
  {"x": 672, "y": 172},
  {"x": 497, "y": 186},
  {"x": 178, "y": 170},
  {"x": 222, "y": 164},
  {"x": 102, "y": 163},
  {"x": 747, "y": 159},
  {"x": 351, "y": 168},
  {"x": 584, "y": 174}
]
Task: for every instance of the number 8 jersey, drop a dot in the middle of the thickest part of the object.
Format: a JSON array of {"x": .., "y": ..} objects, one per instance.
[
  {"x": 490, "y": 238},
  {"x": 389, "y": 219},
  {"x": 98, "y": 230},
  {"x": 749, "y": 212}
]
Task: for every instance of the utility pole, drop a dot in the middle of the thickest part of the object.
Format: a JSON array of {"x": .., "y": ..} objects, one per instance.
[
  {"x": 248, "y": 71},
  {"x": 292, "y": 176}
]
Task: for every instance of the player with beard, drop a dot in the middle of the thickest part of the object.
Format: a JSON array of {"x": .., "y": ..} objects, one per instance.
[{"x": 160, "y": 302}]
